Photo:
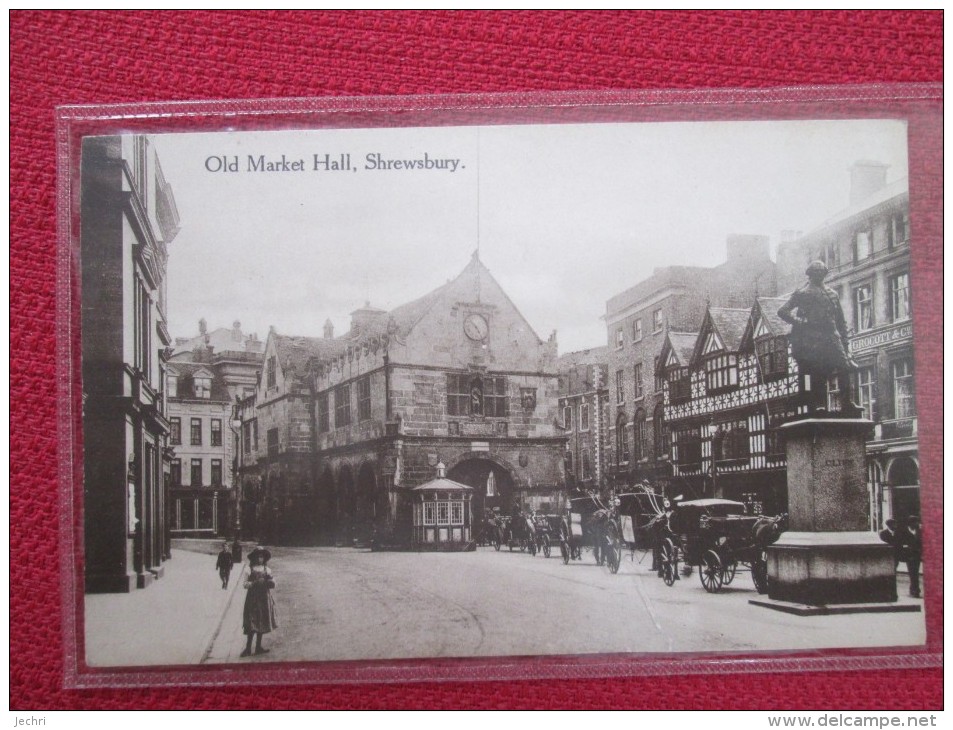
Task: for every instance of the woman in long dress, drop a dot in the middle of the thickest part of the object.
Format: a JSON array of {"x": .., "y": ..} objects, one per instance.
[{"x": 259, "y": 614}]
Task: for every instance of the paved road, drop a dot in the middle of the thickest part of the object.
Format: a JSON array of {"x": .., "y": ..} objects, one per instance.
[{"x": 341, "y": 603}]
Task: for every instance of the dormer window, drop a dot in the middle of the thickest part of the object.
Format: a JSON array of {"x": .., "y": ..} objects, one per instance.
[
  {"x": 721, "y": 372},
  {"x": 772, "y": 354},
  {"x": 679, "y": 385},
  {"x": 203, "y": 387}
]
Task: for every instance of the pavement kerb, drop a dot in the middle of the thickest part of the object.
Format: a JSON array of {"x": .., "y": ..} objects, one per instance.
[{"x": 221, "y": 619}]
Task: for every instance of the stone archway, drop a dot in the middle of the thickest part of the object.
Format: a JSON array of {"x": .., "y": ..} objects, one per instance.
[
  {"x": 493, "y": 485},
  {"x": 903, "y": 476},
  {"x": 346, "y": 506},
  {"x": 365, "y": 504}
]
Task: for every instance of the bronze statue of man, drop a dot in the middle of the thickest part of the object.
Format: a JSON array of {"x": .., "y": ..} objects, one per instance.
[{"x": 819, "y": 339}]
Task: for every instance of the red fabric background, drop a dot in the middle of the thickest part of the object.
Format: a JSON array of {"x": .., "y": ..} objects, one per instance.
[{"x": 97, "y": 57}]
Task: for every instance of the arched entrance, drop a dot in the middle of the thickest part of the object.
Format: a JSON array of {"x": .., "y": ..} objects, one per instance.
[
  {"x": 903, "y": 476},
  {"x": 346, "y": 507},
  {"x": 365, "y": 504},
  {"x": 493, "y": 485}
]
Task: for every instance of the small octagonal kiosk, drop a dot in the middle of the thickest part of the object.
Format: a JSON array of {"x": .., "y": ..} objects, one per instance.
[{"x": 443, "y": 518}]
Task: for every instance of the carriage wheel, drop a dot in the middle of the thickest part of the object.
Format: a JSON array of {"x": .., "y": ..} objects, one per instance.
[
  {"x": 547, "y": 548},
  {"x": 759, "y": 574},
  {"x": 495, "y": 539},
  {"x": 728, "y": 574},
  {"x": 564, "y": 551},
  {"x": 669, "y": 558},
  {"x": 531, "y": 546},
  {"x": 710, "y": 571}
]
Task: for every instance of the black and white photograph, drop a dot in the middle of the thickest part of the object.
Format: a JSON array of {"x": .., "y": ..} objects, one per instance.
[{"x": 640, "y": 389}]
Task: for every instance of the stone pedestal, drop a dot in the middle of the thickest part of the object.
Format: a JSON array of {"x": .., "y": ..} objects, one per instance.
[{"x": 829, "y": 555}]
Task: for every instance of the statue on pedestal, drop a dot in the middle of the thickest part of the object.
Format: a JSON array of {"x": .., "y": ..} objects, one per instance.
[{"x": 819, "y": 340}]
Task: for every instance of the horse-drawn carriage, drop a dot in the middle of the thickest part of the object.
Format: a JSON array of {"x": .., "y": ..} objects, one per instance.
[
  {"x": 547, "y": 532},
  {"x": 518, "y": 531},
  {"x": 716, "y": 536},
  {"x": 591, "y": 523}
]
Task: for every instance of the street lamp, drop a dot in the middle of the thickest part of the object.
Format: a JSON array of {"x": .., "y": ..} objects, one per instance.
[{"x": 236, "y": 424}]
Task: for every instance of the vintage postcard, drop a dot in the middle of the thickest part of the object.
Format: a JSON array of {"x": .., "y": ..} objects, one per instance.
[{"x": 494, "y": 391}]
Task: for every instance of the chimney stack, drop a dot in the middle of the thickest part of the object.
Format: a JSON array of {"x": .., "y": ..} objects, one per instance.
[
  {"x": 203, "y": 326},
  {"x": 328, "y": 329}
]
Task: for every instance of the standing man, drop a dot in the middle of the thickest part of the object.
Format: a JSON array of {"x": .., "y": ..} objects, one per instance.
[
  {"x": 911, "y": 550},
  {"x": 224, "y": 564},
  {"x": 819, "y": 340},
  {"x": 889, "y": 536}
]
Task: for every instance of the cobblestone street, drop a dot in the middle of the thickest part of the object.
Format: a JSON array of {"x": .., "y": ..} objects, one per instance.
[{"x": 340, "y": 604}]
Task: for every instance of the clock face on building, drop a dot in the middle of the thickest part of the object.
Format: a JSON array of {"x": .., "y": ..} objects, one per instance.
[{"x": 475, "y": 327}]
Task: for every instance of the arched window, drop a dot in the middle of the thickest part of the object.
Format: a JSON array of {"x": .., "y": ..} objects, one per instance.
[
  {"x": 621, "y": 440},
  {"x": 639, "y": 451}
]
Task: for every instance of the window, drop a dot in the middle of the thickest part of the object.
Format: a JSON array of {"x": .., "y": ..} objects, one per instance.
[
  {"x": 619, "y": 338},
  {"x": 863, "y": 308},
  {"x": 639, "y": 450},
  {"x": 660, "y": 433},
  {"x": 195, "y": 477},
  {"x": 495, "y": 399},
  {"x": 272, "y": 442},
  {"x": 898, "y": 229},
  {"x": 142, "y": 325},
  {"x": 721, "y": 373},
  {"x": 688, "y": 447},
  {"x": 216, "y": 472},
  {"x": 679, "y": 385},
  {"x": 567, "y": 417},
  {"x": 195, "y": 435},
  {"x": 175, "y": 431},
  {"x": 175, "y": 474},
  {"x": 904, "y": 397},
  {"x": 833, "y": 393},
  {"x": 829, "y": 255},
  {"x": 254, "y": 434},
  {"x": 586, "y": 466},
  {"x": 203, "y": 387},
  {"x": 458, "y": 395},
  {"x": 863, "y": 245},
  {"x": 657, "y": 320},
  {"x": 430, "y": 513},
  {"x": 246, "y": 437},
  {"x": 637, "y": 374},
  {"x": 171, "y": 386},
  {"x": 456, "y": 513},
  {"x": 772, "y": 357},
  {"x": 774, "y": 441},
  {"x": 324, "y": 416},
  {"x": 216, "y": 432},
  {"x": 569, "y": 463},
  {"x": 730, "y": 441},
  {"x": 637, "y": 330},
  {"x": 619, "y": 387},
  {"x": 867, "y": 392},
  {"x": 583, "y": 416},
  {"x": 364, "y": 398},
  {"x": 621, "y": 441},
  {"x": 342, "y": 406},
  {"x": 900, "y": 297},
  {"x": 271, "y": 377},
  {"x": 443, "y": 513},
  {"x": 659, "y": 376}
]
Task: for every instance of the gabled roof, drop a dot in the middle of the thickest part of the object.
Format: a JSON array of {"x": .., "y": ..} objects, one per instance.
[
  {"x": 682, "y": 345},
  {"x": 727, "y": 326},
  {"x": 765, "y": 310},
  {"x": 294, "y": 352},
  {"x": 592, "y": 356}
]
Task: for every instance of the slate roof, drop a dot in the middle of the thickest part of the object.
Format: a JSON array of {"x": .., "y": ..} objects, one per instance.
[
  {"x": 591, "y": 356},
  {"x": 683, "y": 343},
  {"x": 730, "y": 325},
  {"x": 769, "y": 309},
  {"x": 294, "y": 352},
  {"x": 185, "y": 372}
]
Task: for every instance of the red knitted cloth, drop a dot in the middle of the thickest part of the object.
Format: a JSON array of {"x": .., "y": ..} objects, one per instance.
[{"x": 95, "y": 57}]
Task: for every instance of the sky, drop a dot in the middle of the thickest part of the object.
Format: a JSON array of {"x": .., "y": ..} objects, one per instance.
[{"x": 564, "y": 216}]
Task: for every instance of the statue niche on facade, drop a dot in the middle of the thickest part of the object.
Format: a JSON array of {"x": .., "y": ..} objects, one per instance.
[{"x": 819, "y": 341}]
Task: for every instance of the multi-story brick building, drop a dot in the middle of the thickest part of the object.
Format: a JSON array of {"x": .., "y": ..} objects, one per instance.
[
  {"x": 129, "y": 217},
  {"x": 583, "y": 409},
  {"x": 202, "y": 389},
  {"x": 672, "y": 299},
  {"x": 867, "y": 248},
  {"x": 352, "y": 424}
]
